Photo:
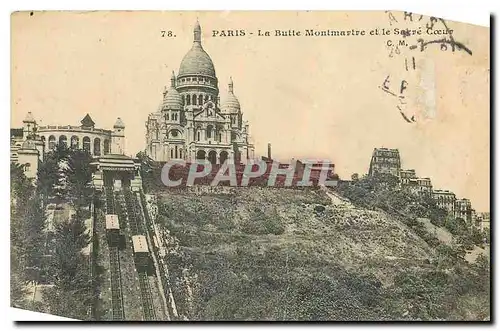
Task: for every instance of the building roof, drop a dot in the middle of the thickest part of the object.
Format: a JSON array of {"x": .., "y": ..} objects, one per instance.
[
  {"x": 172, "y": 99},
  {"x": 29, "y": 118},
  {"x": 112, "y": 222},
  {"x": 116, "y": 162},
  {"x": 87, "y": 121},
  {"x": 197, "y": 61},
  {"x": 119, "y": 123},
  {"x": 140, "y": 244},
  {"x": 115, "y": 157}
]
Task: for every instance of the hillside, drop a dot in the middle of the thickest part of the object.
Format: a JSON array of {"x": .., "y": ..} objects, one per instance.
[{"x": 283, "y": 254}]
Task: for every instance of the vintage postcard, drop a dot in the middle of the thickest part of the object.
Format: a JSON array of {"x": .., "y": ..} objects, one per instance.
[{"x": 250, "y": 166}]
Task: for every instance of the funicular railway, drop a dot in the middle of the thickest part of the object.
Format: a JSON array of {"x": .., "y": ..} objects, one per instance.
[
  {"x": 141, "y": 251},
  {"x": 112, "y": 227},
  {"x": 119, "y": 177}
]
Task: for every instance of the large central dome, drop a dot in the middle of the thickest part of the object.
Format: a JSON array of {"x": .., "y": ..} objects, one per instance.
[{"x": 197, "y": 61}]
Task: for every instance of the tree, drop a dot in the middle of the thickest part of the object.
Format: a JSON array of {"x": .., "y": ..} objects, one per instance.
[
  {"x": 70, "y": 239},
  {"x": 27, "y": 232},
  {"x": 78, "y": 177},
  {"x": 48, "y": 176},
  {"x": 21, "y": 188},
  {"x": 456, "y": 226},
  {"x": 72, "y": 294},
  {"x": 18, "y": 289}
]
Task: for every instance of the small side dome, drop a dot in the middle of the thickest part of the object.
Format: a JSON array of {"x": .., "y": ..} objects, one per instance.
[
  {"x": 172, "y": 98},
  {"x": 29, "y": 144},
  {"x": 29, "y": 118},
  {"x": 119, "y": 124},
  {"x": 231, "y": 104}
]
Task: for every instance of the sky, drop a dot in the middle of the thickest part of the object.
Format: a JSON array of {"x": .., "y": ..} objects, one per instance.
[{"x": 310, "y": 97}]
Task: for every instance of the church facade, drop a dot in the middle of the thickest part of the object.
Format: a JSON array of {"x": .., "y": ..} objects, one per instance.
[{"x": 191, "y": 123}]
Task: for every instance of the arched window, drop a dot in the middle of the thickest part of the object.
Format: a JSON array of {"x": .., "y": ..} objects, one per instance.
[
  {"x": 183, "y": 100},
  {"x": 63, "y": 141},
  {"x": 212, "y": 157},
  {"x": 199, "y": 135},
  {"x": 86, "y": 144},
  {"x": 75, "y": 142},
  {"x": 206, "y": 98},
  {"x": 106, "y": 146},
  {"x": 200, "y": 155},
  {"x": 171, "y": 153},
  {"x": 194, "y": 100},
  {"x": 52, "y": 142},
  {"x": 223, "y": 157},
  {"x": 176, "y": 152},
  {"x": 97, "y": 147},
  {"x": 180, "y": 153},
  {"x": 188, "y": 99},
  {"x": 209, "y": 131},
  {"x": 200, "y": 99},
  {"x": 168, "y": 116}
]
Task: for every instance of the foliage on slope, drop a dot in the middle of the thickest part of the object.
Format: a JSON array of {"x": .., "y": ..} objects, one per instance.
[{"x": 272, "y": 254}]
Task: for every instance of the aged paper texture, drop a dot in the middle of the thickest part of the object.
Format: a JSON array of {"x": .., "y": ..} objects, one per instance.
[{"x": 277, "y": 166}]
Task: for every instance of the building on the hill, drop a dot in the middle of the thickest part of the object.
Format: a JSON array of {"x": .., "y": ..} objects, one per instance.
[
  {"x": 417, "y": 185},
  {"x": 424, "y": 186},
  {"x": 482, "y": 221},
  {"x": 191, "y": 123},
  {"x": 117, "y": 171},
  {"x": 30, "y": 143},
  {"x": 28, "y": 156},
  {"x": 445, "y": 199},
  {"x": 406, "y": 175},
  {"x": 463, "y": 209},
  {"x": 385, "y": 160}
]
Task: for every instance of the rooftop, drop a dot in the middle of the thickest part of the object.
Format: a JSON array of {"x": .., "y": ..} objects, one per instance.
[{"x": 140, "y": 244}]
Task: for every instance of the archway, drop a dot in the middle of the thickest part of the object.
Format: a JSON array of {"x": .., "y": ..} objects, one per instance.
[
  {"x": 97, "y": 147},
  {"x": 52, "y": 142},
  {"x": 75, "y": 142},
  {"x": 201, "y": 155},
  {"x": 223, "y": 157},
  {"x": 106, "y": 146},
  {"x": 210, "y": 129},
  {"x": 63, "y": 141},
  {"x": 212, "y": 157},
  {"x": 86, "y": 144}
]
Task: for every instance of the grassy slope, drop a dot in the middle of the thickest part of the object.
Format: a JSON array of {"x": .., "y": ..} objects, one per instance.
[{"x": 336, "y": 264}]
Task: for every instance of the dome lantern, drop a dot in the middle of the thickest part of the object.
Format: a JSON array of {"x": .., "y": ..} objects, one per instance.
[
  {"x": 197, "y": 61},
  {"x": 197, "y": 32}
]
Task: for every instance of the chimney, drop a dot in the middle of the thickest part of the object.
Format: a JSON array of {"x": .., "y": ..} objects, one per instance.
[{"x": 269, "y": 150}]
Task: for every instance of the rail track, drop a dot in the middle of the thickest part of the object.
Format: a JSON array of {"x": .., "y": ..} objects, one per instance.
[
  {"x": 147, "y": 297},
  {"x": 131, "y": 212},
  {"x": 118, "y": 313},
  {"x": 135, "y": 223},
  {"x": 116, "y": 285}
]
